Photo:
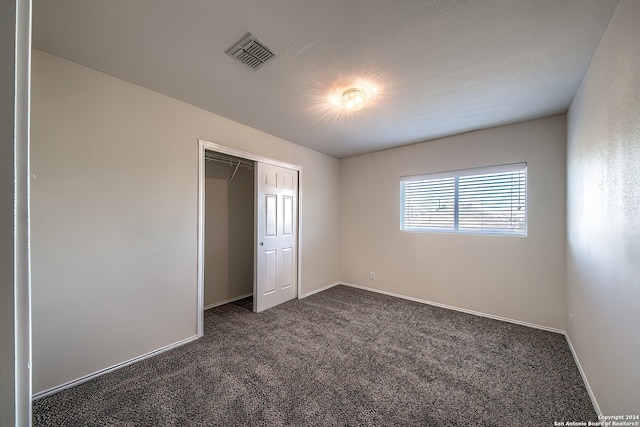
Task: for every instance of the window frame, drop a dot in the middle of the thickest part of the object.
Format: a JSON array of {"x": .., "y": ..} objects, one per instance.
[{"x": 462, "y": 173}]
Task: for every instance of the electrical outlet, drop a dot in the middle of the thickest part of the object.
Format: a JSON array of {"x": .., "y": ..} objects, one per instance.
[
  {"x": 372, "y": 276},
  {"x": 570, "y": 323}
]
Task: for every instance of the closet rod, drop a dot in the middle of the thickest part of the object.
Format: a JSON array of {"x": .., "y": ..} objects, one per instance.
[{"x": 231, "y": 161}]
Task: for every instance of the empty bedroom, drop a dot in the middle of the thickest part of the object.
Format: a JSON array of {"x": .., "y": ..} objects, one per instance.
[{"x": 349, "y": 212}]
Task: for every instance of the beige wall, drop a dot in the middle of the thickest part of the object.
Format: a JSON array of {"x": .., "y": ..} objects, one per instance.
[
  {"x": 228, "y": 254},
  {"x": 603, "y": 211},
  {"x": 240, "y": 244},
  {"x": 513, "y": 277},
  {"x": 114, "y": 217}
]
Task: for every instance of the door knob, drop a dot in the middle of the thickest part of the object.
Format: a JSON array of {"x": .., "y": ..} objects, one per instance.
[{"x": 261, "y": 243}]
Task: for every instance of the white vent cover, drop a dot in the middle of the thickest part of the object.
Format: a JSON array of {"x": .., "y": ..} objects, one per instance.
[{"x": 251, "y": 52}]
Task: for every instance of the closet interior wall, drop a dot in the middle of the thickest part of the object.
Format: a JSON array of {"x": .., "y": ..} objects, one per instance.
[{"x": 228, "y": 255}]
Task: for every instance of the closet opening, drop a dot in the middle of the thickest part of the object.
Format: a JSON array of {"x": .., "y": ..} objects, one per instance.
[
  {"x": 248, "y": 230},
  {"x": 229, "y": 197}
]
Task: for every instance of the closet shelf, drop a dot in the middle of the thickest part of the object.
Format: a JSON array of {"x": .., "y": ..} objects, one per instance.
[{"x": 213, "y": 156}]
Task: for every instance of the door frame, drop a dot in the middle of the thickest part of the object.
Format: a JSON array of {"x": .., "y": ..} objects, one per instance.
[{"x": 204, "y": 145}]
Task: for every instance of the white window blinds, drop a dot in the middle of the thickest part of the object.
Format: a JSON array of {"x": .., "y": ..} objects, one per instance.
[{"x": 489, "y": 200}]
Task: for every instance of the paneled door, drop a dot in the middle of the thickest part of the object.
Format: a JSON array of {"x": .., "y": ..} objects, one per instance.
[{"x": 277, "y": 236}]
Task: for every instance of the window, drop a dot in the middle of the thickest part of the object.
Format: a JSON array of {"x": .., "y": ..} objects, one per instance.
[{"x": 489, "y": 200}]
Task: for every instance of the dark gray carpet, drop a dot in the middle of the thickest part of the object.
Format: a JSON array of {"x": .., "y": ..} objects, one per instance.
[
  {"x": 245, "y": 303},
  {"x": 340, "y": 357}
]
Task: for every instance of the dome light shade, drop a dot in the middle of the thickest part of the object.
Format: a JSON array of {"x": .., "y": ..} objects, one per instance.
[{"x": 353, "y": 99}]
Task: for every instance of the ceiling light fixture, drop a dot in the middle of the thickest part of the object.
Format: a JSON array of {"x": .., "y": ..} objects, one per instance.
[{"x": 354, "y": 99}]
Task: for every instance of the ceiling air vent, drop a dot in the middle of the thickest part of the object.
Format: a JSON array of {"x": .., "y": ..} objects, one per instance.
[{"x": 251, "y": 52}]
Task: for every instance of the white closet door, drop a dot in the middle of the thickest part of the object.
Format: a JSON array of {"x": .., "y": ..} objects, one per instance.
[{"x": 277, "y": 229}]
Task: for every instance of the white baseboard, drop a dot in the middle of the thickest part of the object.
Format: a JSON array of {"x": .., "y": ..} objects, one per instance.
[
  {"x": 594, "y": 402},
  {"x": 463, "y": 310},
  {"x": 592, "y": 396},
  {"x": 112, "y": 368},
  {"x": 393, "y": 294},
  {"x": 324, "y": 288},
  {"x": 227, "y": 301}
]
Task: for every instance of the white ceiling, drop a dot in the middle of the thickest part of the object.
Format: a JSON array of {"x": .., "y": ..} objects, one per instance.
[{"x": 442, "y": 67}]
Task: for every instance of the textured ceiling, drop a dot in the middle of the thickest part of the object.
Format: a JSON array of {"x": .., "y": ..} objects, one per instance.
[{"x": 440, "y": 67}]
